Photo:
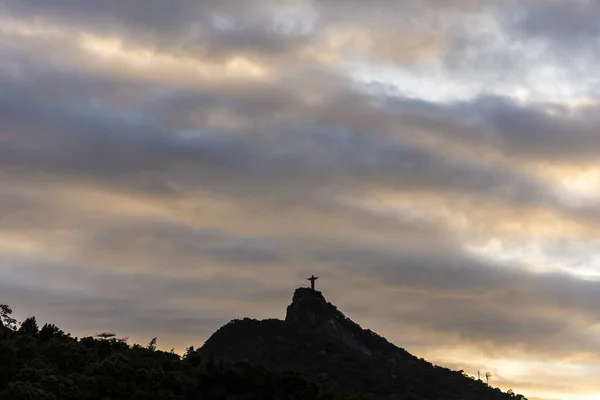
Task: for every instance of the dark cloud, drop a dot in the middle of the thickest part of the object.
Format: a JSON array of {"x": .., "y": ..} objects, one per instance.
[
  {"x": 205, "y": 29},
  {"x": 528, "y": 132},
  {"x": 163, "y": 200},
  {"x": 561, "y": 23},
  {"x": 150, "y": 15},
  {"x": 114, "y": 145},
  {"x": 499, "y": 308},
  {"x": 181, "y": 247}
]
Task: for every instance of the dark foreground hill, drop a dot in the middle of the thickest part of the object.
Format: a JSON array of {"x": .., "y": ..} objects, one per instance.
[
  {"x": 48, "y": 364},
  {"x": 319, "y": 341},
  {"x": 315, "y": 354}
]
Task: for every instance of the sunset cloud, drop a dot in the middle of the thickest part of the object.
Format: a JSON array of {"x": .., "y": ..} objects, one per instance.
[{"x": 168, "y": 167}]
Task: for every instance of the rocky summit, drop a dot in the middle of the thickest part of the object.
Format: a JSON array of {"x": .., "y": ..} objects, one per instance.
[{"x": 319, "y": 341}]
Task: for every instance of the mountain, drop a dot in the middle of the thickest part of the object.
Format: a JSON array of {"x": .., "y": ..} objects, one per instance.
[
  {"x": 320, "y": 342},
  {"x": 315, "y": 354}
]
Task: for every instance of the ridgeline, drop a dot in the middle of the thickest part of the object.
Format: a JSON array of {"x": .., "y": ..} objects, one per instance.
[{"x": 315, "y": 353}]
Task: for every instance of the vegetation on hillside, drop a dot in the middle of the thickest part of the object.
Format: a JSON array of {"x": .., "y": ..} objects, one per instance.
[{"x": 48, "y": 364}]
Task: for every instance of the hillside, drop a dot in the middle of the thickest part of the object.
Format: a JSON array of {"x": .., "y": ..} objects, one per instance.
[
  {"x": 319, "y": 341},
  {"x": 48, "y": 364},
  {"x": 316, "y": 353}
]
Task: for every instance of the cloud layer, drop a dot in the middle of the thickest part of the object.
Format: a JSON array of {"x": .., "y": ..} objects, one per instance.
[{"x": 167, "y": 168}]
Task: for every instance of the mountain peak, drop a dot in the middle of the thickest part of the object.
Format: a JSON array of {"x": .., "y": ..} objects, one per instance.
[
  {"x": 309, "y": 308},
  {"x": 304, "y": 292},
  {"x": 306, "y": 305},
  {"x": 319, "y": 340},
  {"x": 310, "y": 311}
]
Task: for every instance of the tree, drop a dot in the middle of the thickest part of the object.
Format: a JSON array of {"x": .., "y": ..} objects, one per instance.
[
  {"x": 192, "y": 356},
  {"x": 106, "y": 335},
  {"x": 29, "y": 327},
  {"x": 26, "y": 391},
  {"x": 5, "y": 317},
  {"x": 152, "y": 345},
  {"x": 50, "y": 331}
]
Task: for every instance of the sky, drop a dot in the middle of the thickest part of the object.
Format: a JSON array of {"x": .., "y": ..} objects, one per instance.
[{"x": 167, "y": 166}]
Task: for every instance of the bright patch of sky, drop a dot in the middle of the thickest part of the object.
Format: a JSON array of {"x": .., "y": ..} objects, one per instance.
[
  {"x": 581, "y": 189},
  {"x": 430, "y": 86},
  {"x": 486, "y": 60},
  {"x": 575, "y": 258},
  {"x": 544, "y": 84}
]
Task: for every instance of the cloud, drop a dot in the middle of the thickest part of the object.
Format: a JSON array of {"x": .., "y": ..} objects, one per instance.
[
  {"x": 103, "y": 139},
  {"x": 165, "y": 169},
  {"x": 558, "y": 22}
]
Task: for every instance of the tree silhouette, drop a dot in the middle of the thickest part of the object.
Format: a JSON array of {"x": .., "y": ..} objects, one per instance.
[
  {"x": 29, "y": 326},
  {"x": 6, "y": 319},
  {"x": 152, "y": 345},
  {"x": 106, "y": 335},
  {"x": 50, "y": 331}
]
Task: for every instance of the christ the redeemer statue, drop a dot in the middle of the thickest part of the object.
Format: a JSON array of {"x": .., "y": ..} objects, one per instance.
[{"x": 312, "y": 280}]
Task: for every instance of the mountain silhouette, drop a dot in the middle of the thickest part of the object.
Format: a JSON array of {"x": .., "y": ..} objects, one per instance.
[{"x": 319, "y": 341}]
